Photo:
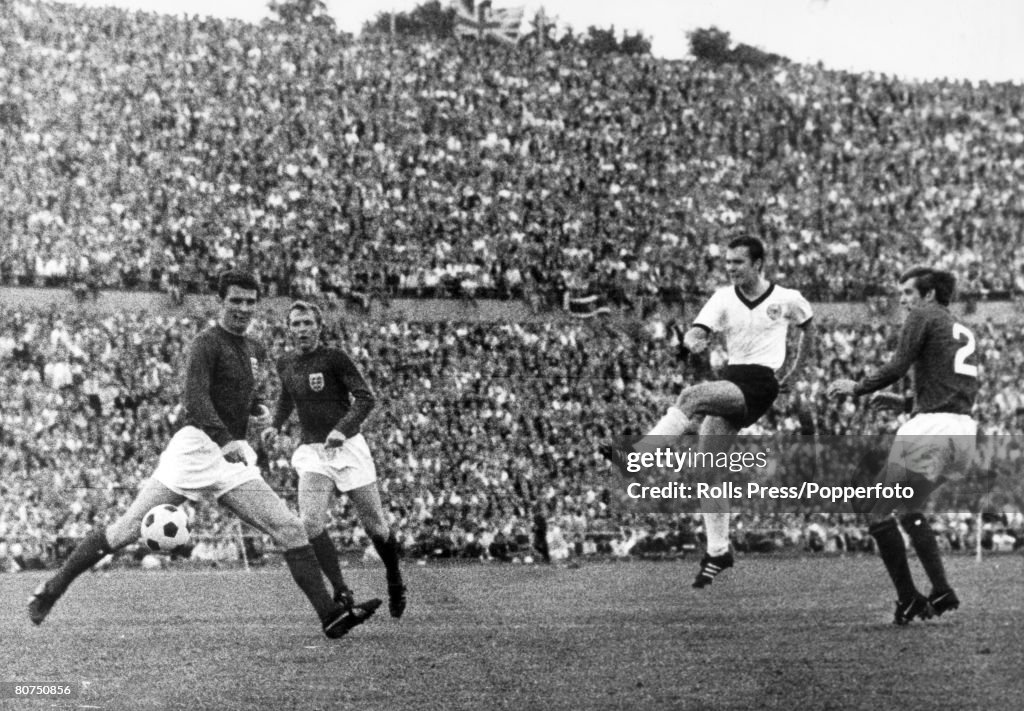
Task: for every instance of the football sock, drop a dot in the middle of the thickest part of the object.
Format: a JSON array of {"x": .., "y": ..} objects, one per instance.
[
  {"x": 673, "y": 424},
  {"x": 89, "y": 552},
  {"x": 306, "y": 571},
  {"x": 922, "y": 537},
  {"x": 894, "y": 554},
  {"x": 716, "y": 527},
  {"x": 327, "y": 557},
  {"x": 387, "y": 549}
]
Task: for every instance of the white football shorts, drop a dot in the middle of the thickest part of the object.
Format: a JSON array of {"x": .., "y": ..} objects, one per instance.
[
  {"x": 936, "y": 444},
  {"x": 350, "y": 466},
  {"x": 193, "y": 465}
]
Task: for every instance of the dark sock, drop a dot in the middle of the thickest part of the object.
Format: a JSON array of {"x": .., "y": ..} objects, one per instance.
[
  {"x": 387, "y": 549},
  {"x": 86, "y": 554},
  {"x": 894, "y": 554},
  {"x": 923, "y": 539},
  {"x": 306, "y": 571},
  {"x": 327, "y": 556}
]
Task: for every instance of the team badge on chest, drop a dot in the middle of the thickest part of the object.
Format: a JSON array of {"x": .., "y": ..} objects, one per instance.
[
  {"x": 316, "y": 382},
  {"x": 774, "y": 311}
]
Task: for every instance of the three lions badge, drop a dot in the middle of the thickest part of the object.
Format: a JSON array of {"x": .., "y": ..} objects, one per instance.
[{"x": 316, "y": 382}]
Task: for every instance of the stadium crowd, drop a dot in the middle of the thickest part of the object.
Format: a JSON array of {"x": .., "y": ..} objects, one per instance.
[
  {"x": 145, "y": 150},
  {"x": 480, "y": 425}
]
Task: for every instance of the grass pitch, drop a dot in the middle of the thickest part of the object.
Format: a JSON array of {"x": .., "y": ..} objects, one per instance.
[{"x": 785, "y": 633}]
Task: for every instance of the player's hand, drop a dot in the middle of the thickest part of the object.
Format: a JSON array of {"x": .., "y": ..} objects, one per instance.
[
  {"x": 696, "y": 340},
  {"x": 334, "y": 440},
  {"x": 268, "y": 436},
  {"x": 238, "y": 450},
  {"x": 843, "y": 386},
  {"x": 886, "y": 401},
  {"x": 261, "y": 417}
]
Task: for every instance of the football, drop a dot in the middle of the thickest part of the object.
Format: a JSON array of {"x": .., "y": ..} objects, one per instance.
[{"x": 165, "y": 528}]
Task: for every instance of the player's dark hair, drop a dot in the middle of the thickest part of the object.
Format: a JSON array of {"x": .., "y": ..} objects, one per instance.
[
  {"x": 926, "y": 279},
  {"x": 306, "y": 307},
  {"x": 755, "y": 247},
  {"x": 239, "y": 278}
]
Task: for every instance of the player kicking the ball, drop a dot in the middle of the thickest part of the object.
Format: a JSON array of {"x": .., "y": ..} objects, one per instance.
[
  {"x": 933, "y": 446},
  {"x": 332, "y": 400},
  {"x": 754, "y": 315},
  {"x": 209, "y": 456}
]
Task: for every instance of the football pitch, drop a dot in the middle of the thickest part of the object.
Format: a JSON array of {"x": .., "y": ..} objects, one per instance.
[{"x": 785, "y": 633}]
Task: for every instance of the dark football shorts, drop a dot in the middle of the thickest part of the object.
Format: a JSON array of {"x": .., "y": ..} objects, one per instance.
[{"x": 759, "y": 388}]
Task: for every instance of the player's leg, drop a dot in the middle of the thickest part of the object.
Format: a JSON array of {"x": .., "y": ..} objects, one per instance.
[
  {"x": 366, "y": 499},
  {"x": 258, "y": 505},
  {"x": 928, "y": 458},
  {"x": 884, "y": 528},
  {"x": 315, "y": 494},
  {"x": 715, "y": 433},
  {"x": 99, "y": 543},
  {"x": 719, "y": 398}
]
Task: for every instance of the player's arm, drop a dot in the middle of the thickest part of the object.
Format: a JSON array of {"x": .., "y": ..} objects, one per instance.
[
  {"x": 708, "y": 320},
  {"x": 201, "y": 362},
  {"x": 911, "y": 340},
  {"x": 259, "y": 412},
  {"x": 282, "y": 409},
  {"x": 807, "y": 335},
  {"x": 363, "y": 400}
]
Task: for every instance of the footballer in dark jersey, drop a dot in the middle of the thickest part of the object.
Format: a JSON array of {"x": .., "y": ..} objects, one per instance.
[
  {"x": 332, "y": 399},
  {"x": 934, "y": 445},
  {"x": 209, "y": 456}
]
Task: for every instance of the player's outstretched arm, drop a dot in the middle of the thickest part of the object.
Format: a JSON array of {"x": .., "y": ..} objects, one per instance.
[
  {"x": 806, "y": 338},
  {"x": 887, "y": 401}
]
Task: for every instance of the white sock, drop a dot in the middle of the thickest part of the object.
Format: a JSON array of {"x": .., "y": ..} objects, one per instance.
[
  {"x": 716, "y": 527},
  {"x": 672, "y": 424}
]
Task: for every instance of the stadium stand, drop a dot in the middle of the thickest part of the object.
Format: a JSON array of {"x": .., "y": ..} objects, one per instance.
[{"x": 144, "y": 151}]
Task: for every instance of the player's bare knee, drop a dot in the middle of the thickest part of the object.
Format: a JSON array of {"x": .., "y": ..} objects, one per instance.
[
  {"x": 377, "y": 528},
  {"x": 687, "y": 402},
  {"x": 290, "y": 534},
  {"x": 312, "y": 525}
]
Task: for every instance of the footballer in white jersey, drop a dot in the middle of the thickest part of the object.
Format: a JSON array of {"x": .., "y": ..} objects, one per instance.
[
  {"x": 755, "y": 330},
  {"x": 753, "y": 315}
]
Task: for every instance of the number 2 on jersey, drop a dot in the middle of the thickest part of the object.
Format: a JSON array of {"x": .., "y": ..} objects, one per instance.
[{"x": 960, "y": 365}]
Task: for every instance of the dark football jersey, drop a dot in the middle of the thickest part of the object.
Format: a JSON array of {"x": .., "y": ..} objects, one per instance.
[
  {"x": 220, "y": 383},
  {"x": 942, "y": 353},
  {"x": 328, "y": 391}
]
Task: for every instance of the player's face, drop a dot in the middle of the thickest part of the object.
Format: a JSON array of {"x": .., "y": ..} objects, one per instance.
[
  {"x": 304, "y": 329},
  {"x": 238, "y": 308},
  {"x": 739, "y": 267},
  {"x": 909, "y": 296}
]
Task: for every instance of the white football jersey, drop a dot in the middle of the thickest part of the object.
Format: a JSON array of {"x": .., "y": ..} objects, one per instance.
[{"x": 755, "y": 331}]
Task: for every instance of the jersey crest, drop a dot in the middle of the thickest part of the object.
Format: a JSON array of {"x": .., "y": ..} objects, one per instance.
[
  {"x": 316, "y": 382},
  {"x": 774, "y": 311}
]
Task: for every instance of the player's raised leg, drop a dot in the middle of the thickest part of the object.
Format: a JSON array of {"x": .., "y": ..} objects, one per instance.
[
  {"x": 716, "y": 433},
  {"x": 97, "y": 544},
  {"x": 257, "y": 504},
  {"x": 371, "y": 514},
  {"x": 719, "y": 398},
  {"x": 315, "y": 494}
]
